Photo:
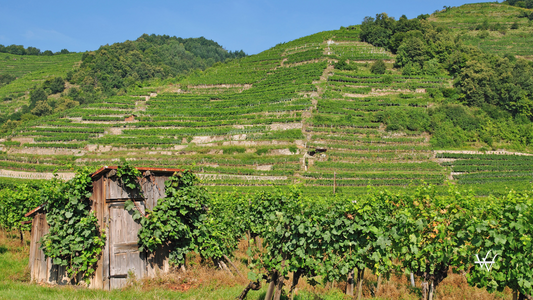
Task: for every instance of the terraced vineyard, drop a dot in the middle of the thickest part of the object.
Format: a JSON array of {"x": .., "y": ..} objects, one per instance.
[
  {"x": 488, "y": 26},
  {"x": 280, "y": 117},
  {"x": 30, "y": 70},
  {"x": 489, "y": 170}
]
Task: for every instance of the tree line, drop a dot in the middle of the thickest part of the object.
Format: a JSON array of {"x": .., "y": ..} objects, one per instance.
[{"x": 20, "y": 50}]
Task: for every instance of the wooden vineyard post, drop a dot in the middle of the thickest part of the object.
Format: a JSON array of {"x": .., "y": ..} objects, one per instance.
[
  {"x": 334, "y": 182},
  {"x": 350, "y": 283}
]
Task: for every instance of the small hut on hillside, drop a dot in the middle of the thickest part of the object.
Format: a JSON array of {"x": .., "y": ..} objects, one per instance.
[{"x": 121, "y": 256}]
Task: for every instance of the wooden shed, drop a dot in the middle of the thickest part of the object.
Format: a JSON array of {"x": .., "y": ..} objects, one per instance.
[{"x": 121, "y": 257}]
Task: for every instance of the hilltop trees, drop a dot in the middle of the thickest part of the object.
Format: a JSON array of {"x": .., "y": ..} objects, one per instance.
[
  {"x": 20, "y": 50},
  {"x": 118, "y": 66}
]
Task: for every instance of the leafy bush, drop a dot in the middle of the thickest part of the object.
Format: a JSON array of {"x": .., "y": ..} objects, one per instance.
[
  {"x": 56, "y": 85},
  {"x": 262, "y": 151},
  {"x": 378, "y": 67},
  {"x": 343, "y": 64},
  {"x": 447, "y": 135},
  {"x": 387, "y": 79}
]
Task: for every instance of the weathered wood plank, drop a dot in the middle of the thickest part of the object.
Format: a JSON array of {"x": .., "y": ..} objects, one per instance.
[
  {"x": 115, "y": 190},
  {"x": 98, "y": 202},
  {"x": 153, "y": 190},
  {"x": 126, "y": 247},
  {"x": 124, "y": 258},
  {"x": 106, "y": 224}
]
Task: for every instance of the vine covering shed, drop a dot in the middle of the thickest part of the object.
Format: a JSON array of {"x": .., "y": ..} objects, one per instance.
[{"x": 121, "y": 256}]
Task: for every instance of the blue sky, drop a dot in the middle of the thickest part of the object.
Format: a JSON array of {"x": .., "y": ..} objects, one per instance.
[{"x": 250, "y": 25}]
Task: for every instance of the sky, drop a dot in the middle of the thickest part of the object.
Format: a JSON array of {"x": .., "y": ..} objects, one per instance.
[{"x": 249, "y": 25}]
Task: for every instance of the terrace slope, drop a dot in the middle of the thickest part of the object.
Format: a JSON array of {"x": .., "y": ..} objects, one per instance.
[
  {"x": 30, "y": 71},
  {"x": 489, "y": 26},
  {"x": 310, "y": 112}
]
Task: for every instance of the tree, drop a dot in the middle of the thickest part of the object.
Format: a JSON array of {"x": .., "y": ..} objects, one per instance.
[
  {"x": 411, "y": 50},
  {"x": 377, "y": 31},
  {"x": 378, "y": 67},
  {"x": 27, "y": 117},
  {"x": 37, "y": 95},
  {"x": 64, "y": 104},
  {"x": 9, "y": 125},
  {"x": 33, "y": 51},
  {"x": 56, "y": 85},
  {"x": 6, "y": 79},
  {"x": 411, "y": 69},
  {"x": 42, "y": 109}
]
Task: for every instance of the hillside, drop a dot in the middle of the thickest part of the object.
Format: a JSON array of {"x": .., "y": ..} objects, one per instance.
[
  {"x": 489, "y": 26},
  {"x": 30, "y": 71},
  {"x": 94, "y": 75},
  {"x": 311, "y": 112}
]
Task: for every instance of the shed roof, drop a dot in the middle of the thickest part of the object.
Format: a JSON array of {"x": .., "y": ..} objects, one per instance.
[
  {"x": 35, "y": 210},
  {"x": 104, "y": 169}
]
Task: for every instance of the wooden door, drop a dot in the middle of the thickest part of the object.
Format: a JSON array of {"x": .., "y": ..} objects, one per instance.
[{"x": 125, "y": 259}]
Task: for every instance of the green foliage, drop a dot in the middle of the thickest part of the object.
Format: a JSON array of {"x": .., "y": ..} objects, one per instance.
[
  {"x": 176, "y": 220},
  {"x": 430, "y": 233},
  {"x": 505, "y": 230},
  {"x": 262, "y": 151},
  {"x": 15, "y": 201},
  {"x": 377, "y": 31},
  {"x": 20, "y": 50},
  {"x": 37, "y": 95},
  {"x": 224, "y": 226},
  {"x": 150, "y": 56},
  {"x": 74, "y": 239},
  {"x": 56, "y": 85},
  {"x": 343, "y": 64},
  {"x": 6, "y": 79},
  {"x": 412, "y": 50},
  {"x": 129, "y": 175},
  {"x": 378, "y": 67},
  {"x": 412, "y": 120}
]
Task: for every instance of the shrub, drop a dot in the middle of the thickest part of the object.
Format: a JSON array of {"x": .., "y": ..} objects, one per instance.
[
  {"x": 378, "y": 67},
  {"x": 293, "y": 149},
  {"x": 343, "y": 64},
  {"x": 483, "y": 34},
  {"x": 387, "y": 79},
  {"x": 261, "y": 151}
]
